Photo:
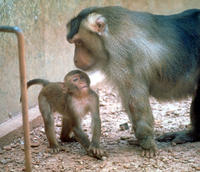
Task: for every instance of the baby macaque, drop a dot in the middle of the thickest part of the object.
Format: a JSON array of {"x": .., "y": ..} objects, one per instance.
[{"x": 73, "y": 99}]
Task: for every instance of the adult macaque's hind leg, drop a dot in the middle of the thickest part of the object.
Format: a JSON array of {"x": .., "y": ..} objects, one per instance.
[
  {"x": 179, "y": 137},
  {"x": 67, "y": 131},
  {"x": 193, "y": 134},
  {"x": 47, "y": 115}
]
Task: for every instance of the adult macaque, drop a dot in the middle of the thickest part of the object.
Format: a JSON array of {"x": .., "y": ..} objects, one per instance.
[
  {"x": 73, "y": 99},
  {"x": 143, "y": 55}
]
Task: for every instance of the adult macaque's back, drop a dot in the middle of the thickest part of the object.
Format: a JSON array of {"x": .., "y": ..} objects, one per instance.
[{"x": 143, "y": 55}]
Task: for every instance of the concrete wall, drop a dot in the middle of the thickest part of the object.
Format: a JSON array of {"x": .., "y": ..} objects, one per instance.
[{"x": 48, "y": 55}]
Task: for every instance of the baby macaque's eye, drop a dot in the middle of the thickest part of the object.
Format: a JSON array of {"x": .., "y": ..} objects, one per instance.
[
  {"x": 81, "y": 77},
  {"x": 75, "y": 79}
]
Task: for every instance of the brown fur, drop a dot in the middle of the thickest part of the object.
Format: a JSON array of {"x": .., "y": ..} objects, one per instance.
[{"x": 73, "y": 99}]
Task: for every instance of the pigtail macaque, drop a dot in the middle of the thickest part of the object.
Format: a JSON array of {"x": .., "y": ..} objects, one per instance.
[
  {"x": 143, "y": 55},
  {"x": 73, "y": 99}
]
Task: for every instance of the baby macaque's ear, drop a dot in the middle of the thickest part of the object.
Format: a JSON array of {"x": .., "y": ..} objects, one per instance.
[{"x": 63, "y": 87}]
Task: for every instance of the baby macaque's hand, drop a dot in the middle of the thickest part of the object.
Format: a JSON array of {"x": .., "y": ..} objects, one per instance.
[{"x": 96, "y": 152}]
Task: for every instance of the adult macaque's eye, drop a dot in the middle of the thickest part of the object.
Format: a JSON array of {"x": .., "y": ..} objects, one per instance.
[{"x": 78, "y": 42}]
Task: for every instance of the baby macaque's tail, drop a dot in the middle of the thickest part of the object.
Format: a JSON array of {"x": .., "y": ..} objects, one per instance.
[{"x": 38, "y": 81}]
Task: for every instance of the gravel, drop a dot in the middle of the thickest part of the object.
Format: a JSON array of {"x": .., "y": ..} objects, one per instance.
[{"x": 116, "y": 132}]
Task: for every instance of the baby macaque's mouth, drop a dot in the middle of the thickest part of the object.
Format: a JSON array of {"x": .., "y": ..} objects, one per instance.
[{"x": 83, "y": 87}]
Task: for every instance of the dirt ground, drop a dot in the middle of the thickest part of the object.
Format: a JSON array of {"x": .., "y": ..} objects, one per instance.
[{"x": 122, "y": 156}]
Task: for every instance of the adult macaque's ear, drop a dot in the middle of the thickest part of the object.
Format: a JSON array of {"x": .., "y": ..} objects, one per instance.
[
  {"x": 63, "y": 87},
  {"x": 96, "y": 23},
  {"x": 100, "y": 25}
]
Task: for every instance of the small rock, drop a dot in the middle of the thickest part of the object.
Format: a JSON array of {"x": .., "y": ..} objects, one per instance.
[
  {"x": 13, "y": 145},
  {"x": 124, "y": 126},
  {"x": 157, "y": 122},
  {"x": 169, "y": 150},
  {"x": 192, "y": 145},
  {"x": 173, "y": 144},
  {"x": 104, "y": 158},
  {"x": 177, "y": 157},
  {"x": 81, "y": 162},
  {"x": 42, "y": 130},
  {"x": 188, "y": 126},
  {"x": 174, "y": 154},
  {"x": 194, "y": 166},
  {"x": 7, "y": 147},
  {"x": 35, "y": 144},
  {"x": 103, "y": 103},
  {"x": 184, "y": 162},
  {"x": 59, "y": 125},
  {"x": 1, "y": 152},
  {"x": 190, "y": 160},
  {"x": 176, "y": 114},
  {"x": 126, "y": 166},
  {"x": 3, "y": 161},
  {"x": 124, "y": 138},
  {"x": 197, "y": 168},
  {"x": 22, "y": 147},
  {"x": 36, "y": 167}
]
